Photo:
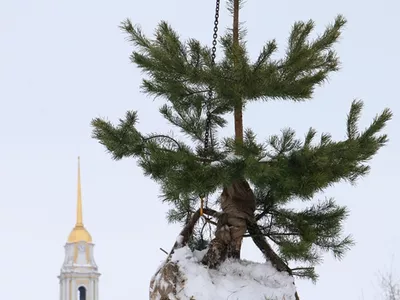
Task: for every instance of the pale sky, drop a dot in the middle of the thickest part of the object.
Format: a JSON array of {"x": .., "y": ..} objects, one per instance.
[{"x": 63, "y": 63}]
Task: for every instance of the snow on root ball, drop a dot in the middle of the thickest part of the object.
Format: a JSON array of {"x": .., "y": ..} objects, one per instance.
[{"x": 185, "y": 278}]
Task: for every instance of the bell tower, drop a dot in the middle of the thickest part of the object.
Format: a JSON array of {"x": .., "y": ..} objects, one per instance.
[{"x": 79, "y": 276}]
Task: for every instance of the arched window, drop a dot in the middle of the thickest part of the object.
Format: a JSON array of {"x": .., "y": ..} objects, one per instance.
[{"x": 82, "y": 293}]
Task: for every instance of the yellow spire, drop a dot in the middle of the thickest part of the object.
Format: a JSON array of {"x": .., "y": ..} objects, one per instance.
[{"x": 79, "y": 233}]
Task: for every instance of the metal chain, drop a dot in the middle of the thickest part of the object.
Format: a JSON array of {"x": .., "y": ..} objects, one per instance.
[{"x": 210, "y": 91}]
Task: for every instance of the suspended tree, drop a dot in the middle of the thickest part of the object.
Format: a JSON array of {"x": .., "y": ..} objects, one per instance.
[{"x": 259, "y": 180}]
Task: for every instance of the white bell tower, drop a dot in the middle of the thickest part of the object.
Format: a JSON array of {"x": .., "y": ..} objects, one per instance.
[{"x": 79, "y": 276}]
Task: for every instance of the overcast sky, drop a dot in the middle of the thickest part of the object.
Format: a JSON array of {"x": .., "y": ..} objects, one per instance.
[{"x": 63, "y": 63}]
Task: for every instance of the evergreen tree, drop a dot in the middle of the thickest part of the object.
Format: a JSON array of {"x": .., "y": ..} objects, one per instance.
[{"x": 281, "y": 171}]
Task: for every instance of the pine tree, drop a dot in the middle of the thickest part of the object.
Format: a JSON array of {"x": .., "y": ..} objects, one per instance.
[{"x": 281, "y": 171}]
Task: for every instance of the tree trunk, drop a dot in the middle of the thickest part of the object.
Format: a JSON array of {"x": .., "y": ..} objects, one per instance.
[{"x": 238, "y": 206}]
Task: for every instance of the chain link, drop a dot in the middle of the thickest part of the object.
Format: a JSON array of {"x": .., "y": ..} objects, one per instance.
[{"x": 210, "y": 91}]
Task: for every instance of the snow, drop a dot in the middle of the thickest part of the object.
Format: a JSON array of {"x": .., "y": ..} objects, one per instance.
[
  {"x": 233, "y": 280},
  {"x": 233, "y": 157},
  {"x": 230, "y": 157},
  {"x": 179, "y": 240}
]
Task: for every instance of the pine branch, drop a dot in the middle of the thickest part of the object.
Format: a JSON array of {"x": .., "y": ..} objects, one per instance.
[
  {"x": 305, "y": 272},
  {"x": 306, "y": 65},
  {"x": 306, "y": 169},
  {"x": 230, "y": 5},
  {"x": 282, "y": 170}
]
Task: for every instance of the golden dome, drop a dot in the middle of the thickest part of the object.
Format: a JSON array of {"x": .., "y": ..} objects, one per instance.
[{"x": 79, "y": 233}]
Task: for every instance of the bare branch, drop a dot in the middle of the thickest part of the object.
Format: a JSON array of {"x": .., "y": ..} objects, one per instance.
[
  {"x": 187, "y": 231},
  {"x": 165, "y": 137},
  {"x": 164, "y": 251}
]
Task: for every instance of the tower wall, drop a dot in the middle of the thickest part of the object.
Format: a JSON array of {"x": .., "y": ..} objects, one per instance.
[{"x": 79, "y": 269}]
